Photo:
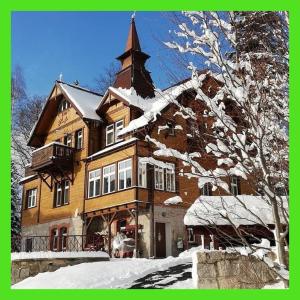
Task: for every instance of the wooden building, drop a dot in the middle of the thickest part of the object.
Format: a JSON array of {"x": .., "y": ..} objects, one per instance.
[{"x": 86, "y": 179}]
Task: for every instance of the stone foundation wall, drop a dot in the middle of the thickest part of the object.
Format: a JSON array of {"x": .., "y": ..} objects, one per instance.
[
  {"x": 21, "y": 269},
  {"x": 222, "y": 270}
]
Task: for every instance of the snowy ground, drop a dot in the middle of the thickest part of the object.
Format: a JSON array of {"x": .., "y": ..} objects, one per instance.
[
  {"x": 116, "y": 273},
  {"x": 168, "y": 273}
]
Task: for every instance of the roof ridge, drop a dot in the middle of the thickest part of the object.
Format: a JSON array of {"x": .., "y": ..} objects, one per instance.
[
  {"x": 185, "y": 80},
  {"x": 80, "y": 88}
]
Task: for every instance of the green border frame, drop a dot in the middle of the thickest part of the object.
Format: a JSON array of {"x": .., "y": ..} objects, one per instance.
[{"x": 7, "y": 7}]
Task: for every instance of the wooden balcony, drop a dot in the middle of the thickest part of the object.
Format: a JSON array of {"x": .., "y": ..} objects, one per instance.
[{"x": 52, "y": 156}]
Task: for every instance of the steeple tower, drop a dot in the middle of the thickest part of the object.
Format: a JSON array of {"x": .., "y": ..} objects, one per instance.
[{"x": 133, "y": 72}]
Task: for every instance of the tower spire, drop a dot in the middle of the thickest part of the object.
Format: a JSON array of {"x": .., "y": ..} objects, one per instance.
[
  {"x": 133, "y": 42},
  {"x": 133, "y": 71}
]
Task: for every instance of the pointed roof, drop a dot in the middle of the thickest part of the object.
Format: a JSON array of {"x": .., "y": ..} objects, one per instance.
[
  {"x": 133, "y": 42},
  {"x": 85, "y": 102},
  {"x": 133, "y": 72}
]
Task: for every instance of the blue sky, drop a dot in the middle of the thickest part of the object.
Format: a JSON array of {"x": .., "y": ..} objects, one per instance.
[{"x": 81, "y": 44}]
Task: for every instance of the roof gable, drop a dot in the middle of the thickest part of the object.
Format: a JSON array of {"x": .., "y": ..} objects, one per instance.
[{"x": 83, "y": 101}]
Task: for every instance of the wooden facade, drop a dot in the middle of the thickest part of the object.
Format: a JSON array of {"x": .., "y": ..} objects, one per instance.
[{"x": 59, "y": 169}]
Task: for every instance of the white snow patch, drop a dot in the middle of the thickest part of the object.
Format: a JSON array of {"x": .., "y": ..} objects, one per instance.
[
  {"x": 51, "y": 254},
  {"x": 173, "y": 200}
]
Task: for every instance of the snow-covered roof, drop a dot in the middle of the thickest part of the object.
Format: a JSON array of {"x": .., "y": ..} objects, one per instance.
[
  {"x": 152, "y": 107},
  {"x": 84, "y": 100},
  {"x": 241, "y": 210}
]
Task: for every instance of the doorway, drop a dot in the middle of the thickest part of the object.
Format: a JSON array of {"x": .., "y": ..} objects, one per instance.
[{"x": 160, "y": 240}]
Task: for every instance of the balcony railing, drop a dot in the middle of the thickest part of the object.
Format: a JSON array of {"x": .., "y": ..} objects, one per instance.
[
  {"x": 52, "y": 154},
  {"x": 73, "y": 243}
]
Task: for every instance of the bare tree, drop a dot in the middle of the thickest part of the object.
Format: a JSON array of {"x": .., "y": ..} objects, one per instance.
[{"x": 106, "y": 78}]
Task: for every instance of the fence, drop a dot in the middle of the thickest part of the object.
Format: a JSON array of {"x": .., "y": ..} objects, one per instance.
[{"x": 72, "y": 243}]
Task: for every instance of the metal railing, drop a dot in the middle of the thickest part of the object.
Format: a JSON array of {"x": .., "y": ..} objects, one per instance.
[{"x": 73, "y": 243}]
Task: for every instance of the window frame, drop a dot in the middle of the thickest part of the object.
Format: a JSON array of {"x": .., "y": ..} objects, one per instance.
[
  {"x": 172, "y": 175},
  {"x": 117, "y": 130},
  {"x": 55, "y": 239},
  {"x": 206, "y": 190},
  {"x": 31, "y": 199},
  {"x": 94, "y": 185},
  {"x": 79, "y": 138},
  {"x": 68, "y": 138},
  {"x": 234, "y": 185},
  {"x": 125, "y": 171},
  {"x": 112, "y": 130},
  {"x": 64, "y": 105},
  {"x": 143, "y": 175},
  {"x": 108, "y": 175},
  {"x": 63, "y": 237},
  {"x": 61, "y": 189},
  {"x": 159, "y": 170}
]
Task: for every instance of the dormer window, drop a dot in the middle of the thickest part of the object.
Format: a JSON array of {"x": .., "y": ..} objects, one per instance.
[
  {"x": 64, "y": 104},
  {"x": 112, "y": 131}
]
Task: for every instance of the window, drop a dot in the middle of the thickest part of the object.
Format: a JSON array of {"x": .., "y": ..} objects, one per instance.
[
  {"x": 191, "y": 235},
  {"x": 66, "y": 192},
  {"x": 171, "y": 128},
  {"x": 63, "y": 238},
  {"x": 62, "y": 192},
  {"x": 31, "y": 198},
  {"x": 68, "y": 140},
  {"x": 110, "y": 134},
  {"x": 142, "y": 174},
  {"x": 109, "y": 179},
  {"x": 28, "y": 245},
  {"x": 170, "y": 178},
  {"x": 119, "y": 126},
  {"x": 235, "y": 185},
  {"x": 159, "y": 178},
  {"x": 64, "y": 104},
  {"x": 54, "y": 239},
  {"x": 206, "y": 189},
  {"x": 125, "y": 176},
  {"x": 78, "y": 139},
  {"x": 94, "y": 183}
]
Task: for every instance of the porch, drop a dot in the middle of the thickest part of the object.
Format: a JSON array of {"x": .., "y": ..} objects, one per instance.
[{"x": 118, "y": 222}]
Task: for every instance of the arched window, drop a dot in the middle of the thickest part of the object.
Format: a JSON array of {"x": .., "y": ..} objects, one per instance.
[
  {"x": 54, "y": 240},
  {"x": 63, "y": 233}
]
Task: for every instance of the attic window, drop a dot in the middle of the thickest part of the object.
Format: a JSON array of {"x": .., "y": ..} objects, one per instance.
[{"x": 64, "y": 104}]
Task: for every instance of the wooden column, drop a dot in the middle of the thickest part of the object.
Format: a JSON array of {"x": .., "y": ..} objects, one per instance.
[
  {"x": 110, "y": 218},
  {"x": 136, "y": 230},
  {"x": 109, "y": 238}
]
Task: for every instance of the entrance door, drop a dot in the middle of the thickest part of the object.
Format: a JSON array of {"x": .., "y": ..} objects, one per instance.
[{"x": 160, "y": 239}]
